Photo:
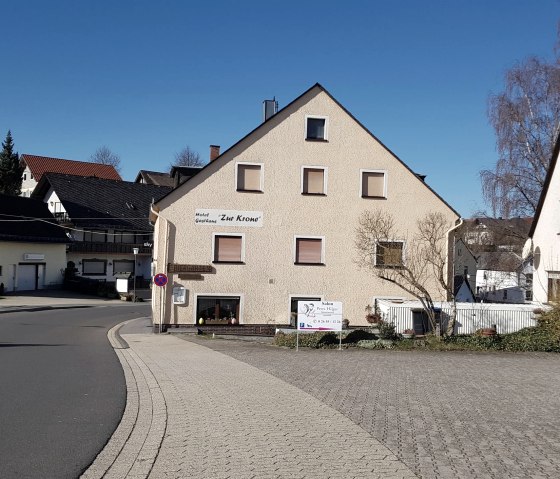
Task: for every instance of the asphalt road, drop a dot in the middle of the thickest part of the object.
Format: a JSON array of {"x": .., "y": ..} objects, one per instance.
[{"x": 62, "y": 389}]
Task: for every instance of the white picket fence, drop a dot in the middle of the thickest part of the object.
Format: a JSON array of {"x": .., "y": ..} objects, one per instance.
[{"x": 470, "y": 316}]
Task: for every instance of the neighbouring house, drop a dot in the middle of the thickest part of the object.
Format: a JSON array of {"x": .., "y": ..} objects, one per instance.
[
  {"x": 545, "y": 236},
  {"x": 154, "y": 178},
  {"x": 178, "y": 175},
  {"x": 464, "y": 272},
  {"x": 272, "y": 221},
  {"x": 32, "y": 245},
  {"x": 107, "y": 220},
  {"x": 503, "y": 277},
  {"x": 37, "y": 166},
  {"x": 484, "y": 234}
]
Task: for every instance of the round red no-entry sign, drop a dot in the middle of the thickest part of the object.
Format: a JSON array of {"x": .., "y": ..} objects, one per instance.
[{"x": 160, "y": 279}]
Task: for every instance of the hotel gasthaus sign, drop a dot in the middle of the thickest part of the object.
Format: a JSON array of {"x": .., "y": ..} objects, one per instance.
[{"x": 228, "y": 218}]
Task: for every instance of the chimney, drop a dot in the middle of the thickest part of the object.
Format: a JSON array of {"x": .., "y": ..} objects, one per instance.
[
  {"x": 214, "y": 152},
  {"x": 270, "y": 108}
]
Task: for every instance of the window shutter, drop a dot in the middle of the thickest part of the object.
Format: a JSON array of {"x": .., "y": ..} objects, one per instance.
[
  {"x": 308, "y": 250},
  {"x": 249, "y": 177},
  {"x": 313, "y": 181},
  {"x": 373, "y": 184},
  {"x": 228, "y": 248}
]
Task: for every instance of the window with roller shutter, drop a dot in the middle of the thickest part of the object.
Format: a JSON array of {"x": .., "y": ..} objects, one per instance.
[
  {"x": 309, "y": 250},
  {"x": 228, "y": 248}
]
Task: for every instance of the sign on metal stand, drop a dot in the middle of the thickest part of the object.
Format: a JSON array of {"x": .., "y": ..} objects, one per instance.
[
  {"x": 319, "y": 316},
  {"x": 160, "y": 280}
]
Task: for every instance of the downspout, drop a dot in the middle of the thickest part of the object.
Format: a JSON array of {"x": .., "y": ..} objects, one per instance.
[
  {"x": 164, "y": 267},
  {"x": 451, "y": 280}
]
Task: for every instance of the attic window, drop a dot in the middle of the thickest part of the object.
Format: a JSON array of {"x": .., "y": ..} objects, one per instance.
[{"x": 316, "y": 128}]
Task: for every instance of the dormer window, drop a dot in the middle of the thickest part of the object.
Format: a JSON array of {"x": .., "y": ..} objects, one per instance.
[{"x": 316, "y": 128}]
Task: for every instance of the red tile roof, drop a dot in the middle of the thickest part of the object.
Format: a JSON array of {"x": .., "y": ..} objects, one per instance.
[{"x": 43, "y": 164}]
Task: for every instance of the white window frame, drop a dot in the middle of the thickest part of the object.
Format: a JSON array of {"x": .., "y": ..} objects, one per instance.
[
  {"x": 390, "y": 241},
  {"x": 317, "y": 117},
  {"x": 364, "y": 170},
  {"x": 294, "y": 256},
  {"x": 325, "y": 179},
  {"x": 243, "y": 163},
  {"x": 221, "y": 295},
  {"x": 213, "y": 260},
  {"x": 295, "y": 296}
]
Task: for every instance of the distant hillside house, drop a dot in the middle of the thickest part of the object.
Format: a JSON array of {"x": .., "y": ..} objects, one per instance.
[
  {"x": 107, "y": 220},
  {"x": 271, "y": 221},
  {"x": 37, "y": 166},
  {"x": 32, "y": 246}
]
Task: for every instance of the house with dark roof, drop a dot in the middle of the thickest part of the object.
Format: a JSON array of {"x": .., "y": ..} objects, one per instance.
[
  {"x": 269, "y": 223},
  {"x": 37, "y": 166},
  {"x": 32, "y": 245},
  {"x": 544, "y": 236},
  {"x": 178, "y": 175},
  {"x": 107, "y": 219}
]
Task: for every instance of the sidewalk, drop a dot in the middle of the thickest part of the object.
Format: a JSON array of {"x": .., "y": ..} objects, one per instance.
[{"x": 195, "y": 412}]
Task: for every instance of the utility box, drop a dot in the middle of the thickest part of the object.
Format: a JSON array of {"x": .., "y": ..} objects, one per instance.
[
  {"x": 122, "y": 281},
  {"x": 179, "y": 295}
]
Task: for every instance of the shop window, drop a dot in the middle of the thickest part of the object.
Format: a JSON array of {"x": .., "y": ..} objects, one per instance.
[
  {"x": 374, "y": 184},
  {"x": 249, "y": 177},
  {"x": 389, "y": 254},
  {"x": 309, "y": 250},
  {"x": 94, "y": 267},
  {"x": 314, "y": 180},
  {"x": 218, "y": 309},
  {"x": 228, "y": 248},
  {"x": 316, "y": 128}
]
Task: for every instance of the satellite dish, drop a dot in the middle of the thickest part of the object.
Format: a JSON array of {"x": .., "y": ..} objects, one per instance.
[{"x": 527, "y": 248}]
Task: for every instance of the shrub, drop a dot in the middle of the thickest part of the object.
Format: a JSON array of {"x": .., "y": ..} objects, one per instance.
[
  {"x": 358, "y": 335},
  {"x": 373, "y": 344},
  {"x": 307, "y": 340},
  {"x": 387, "y": 331}
]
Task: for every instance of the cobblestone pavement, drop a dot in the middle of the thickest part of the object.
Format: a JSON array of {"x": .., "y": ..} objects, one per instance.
[
  {"x": 196, "y": 413},
  {"x": 445, "y": 415}
]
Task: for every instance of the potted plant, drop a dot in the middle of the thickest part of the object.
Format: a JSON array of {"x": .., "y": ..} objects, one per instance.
[
  {"x": 372, "y": 317},
  {"x": 345, "y": 323},
  {"x": 408, "y": 333}
]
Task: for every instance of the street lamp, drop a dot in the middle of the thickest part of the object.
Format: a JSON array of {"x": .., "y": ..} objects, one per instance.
[{"x": 135, "y": 251}]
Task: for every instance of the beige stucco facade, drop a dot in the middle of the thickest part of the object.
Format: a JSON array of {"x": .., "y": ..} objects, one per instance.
[
  {"x": 267, "y": 279},
  {"x": 27, "y": 266}
]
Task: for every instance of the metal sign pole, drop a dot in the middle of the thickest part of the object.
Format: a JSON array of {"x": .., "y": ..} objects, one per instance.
[
  {"x": 160, "y": 310},
  {"x": 297, "y": 340},
  {"x": 340, "y": 340}
]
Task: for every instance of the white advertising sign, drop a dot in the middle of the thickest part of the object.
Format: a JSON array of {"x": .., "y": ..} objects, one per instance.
[
  {"x": 122, "y": 285},
  {"x": 319, "y": 316},
  {"x": 228, "y": 218}
]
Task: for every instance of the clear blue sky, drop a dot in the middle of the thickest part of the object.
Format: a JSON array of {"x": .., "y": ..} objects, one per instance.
[{"x": 147, "y": 78}]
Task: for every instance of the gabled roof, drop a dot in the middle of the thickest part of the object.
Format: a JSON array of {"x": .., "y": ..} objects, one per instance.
[
  {"x": 464, "y": 245},
  {"x": 458, "y": 281},
  {"x": 154, "y": 178},
  {"x": 547, "y": 181},
  {"x": 321, "y": 88},
  {"x": 39, "y": 165},
  {"x": 28, "y": 220},
  {"x": 100, "y": 203}
]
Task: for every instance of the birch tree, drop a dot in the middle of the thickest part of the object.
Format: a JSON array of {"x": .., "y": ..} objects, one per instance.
[{"x": 417, "y": 266}]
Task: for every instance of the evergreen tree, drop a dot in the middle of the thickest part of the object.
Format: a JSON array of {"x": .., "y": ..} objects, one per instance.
[{"x": 10, "y": 169}]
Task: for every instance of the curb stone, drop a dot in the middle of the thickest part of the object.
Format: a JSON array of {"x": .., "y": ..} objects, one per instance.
[{"x": 134, "y": 446}]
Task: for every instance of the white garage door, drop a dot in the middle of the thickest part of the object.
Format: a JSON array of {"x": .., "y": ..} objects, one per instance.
[{"x": 27, "y": 277}]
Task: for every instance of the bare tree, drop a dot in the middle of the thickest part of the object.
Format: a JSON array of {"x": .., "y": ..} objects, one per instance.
[
  {"x": 420, "y": 269},
  {"x": 526, "y": 119},
  {"x": 105, "y": 156},
  {"x": 187, "y": 157}
]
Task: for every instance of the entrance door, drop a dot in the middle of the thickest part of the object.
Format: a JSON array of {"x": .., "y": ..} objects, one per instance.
[{"x": 27, "y": 277}]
